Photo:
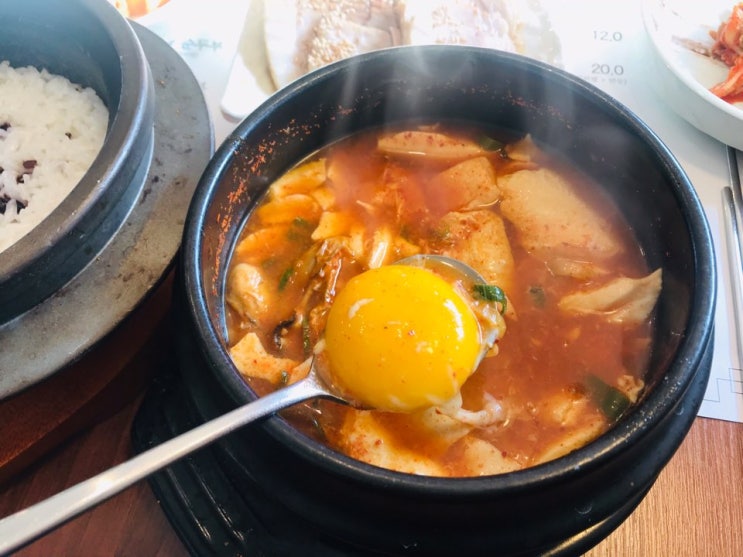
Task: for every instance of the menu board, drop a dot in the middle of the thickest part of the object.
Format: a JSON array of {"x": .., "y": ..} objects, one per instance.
[{"x": 602, "y": 42}]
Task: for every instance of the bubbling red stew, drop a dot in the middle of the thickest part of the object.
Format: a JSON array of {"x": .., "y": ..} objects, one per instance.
[{"x": 580, "y": 297}]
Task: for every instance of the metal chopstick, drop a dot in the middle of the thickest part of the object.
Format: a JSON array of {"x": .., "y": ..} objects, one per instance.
[
  {"x": 735, "y": 164},
  {"x": 732, "y": 204}
]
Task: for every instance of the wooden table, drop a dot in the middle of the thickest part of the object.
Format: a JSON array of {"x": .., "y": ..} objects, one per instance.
[{"x": 694, "y": 509}]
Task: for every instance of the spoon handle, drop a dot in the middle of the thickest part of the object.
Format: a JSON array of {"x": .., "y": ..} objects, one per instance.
[{"x": 23, "y": 527}]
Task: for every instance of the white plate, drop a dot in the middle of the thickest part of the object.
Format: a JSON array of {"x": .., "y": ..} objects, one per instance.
[
  {"x": 250, "y": 82},
  {"x": 682, "y": 76}
]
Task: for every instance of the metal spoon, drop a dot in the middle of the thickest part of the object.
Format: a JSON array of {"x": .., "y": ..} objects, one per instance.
[{"x": 23, "y": 527}]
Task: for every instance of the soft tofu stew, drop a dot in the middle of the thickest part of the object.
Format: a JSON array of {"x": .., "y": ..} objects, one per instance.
[{"x": 579, "y": 295}]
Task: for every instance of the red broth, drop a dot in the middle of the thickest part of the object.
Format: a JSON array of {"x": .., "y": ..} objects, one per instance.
[{"x": 561, "y": 375}]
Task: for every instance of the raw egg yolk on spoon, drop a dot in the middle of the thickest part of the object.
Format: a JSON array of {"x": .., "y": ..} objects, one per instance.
[{"x": 400, "y": 338}]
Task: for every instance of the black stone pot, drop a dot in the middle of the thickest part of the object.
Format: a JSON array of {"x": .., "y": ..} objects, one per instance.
[
  {"x": 91, "y": 44},
  {"x": 562, "y": 507}
]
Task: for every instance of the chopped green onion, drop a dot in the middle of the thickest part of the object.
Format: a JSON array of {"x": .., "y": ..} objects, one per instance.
[
  {"x": 491, "y": 293},
  {"x": 284, "y": 279},
  {"x": 306, "y": 340},
  {"x": 538, "y": 296},
  {"x": 268, "y": 262},
  {"x": 441, "y": 233},
  {"x": 299, "y": 230},
  {"x": 490, "y": 144},
  {"x": 284, "y": 379},
  {"x": 611, "y": 401}
]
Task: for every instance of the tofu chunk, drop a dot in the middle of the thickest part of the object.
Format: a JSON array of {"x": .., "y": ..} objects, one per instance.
[
  {"x": 481, "y": 242},
  {"x": 365, "y": 439},
  {"x": 302, "y": 179},
  {"x": 252, "y": 360},
  {"x": 286, "y": 209},
  {"x": 572, "y": 441},
  {"x": 433, "y": 145},
  {"x": 551, "y": 218},
  {"x": 623, "y": 300},
  {"x": 484, "y": 459},
  {"x": 469, "y": 185},
  {"x": 247, "y": 292}
]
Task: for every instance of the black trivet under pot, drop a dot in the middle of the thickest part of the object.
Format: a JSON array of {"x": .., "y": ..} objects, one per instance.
[{"x": 212, "y": 513}]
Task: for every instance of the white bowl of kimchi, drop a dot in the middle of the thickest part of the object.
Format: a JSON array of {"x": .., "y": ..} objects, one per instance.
[{"x": 695, "y": 55}]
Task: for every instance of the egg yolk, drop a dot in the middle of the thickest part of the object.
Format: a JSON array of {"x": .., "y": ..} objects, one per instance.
[{"x": 400, "y": 338}]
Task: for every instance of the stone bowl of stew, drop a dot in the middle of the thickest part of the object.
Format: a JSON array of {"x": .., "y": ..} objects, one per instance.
[
  {"x": 380, "y": 485},
  {"x": 90, "y": 44}
]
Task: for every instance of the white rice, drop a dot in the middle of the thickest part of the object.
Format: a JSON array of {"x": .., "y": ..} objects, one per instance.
[{"x": 50, "y": 132}]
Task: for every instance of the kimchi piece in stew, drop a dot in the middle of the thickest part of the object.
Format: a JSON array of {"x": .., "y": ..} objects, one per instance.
[{"x": 580, "y": 297}]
